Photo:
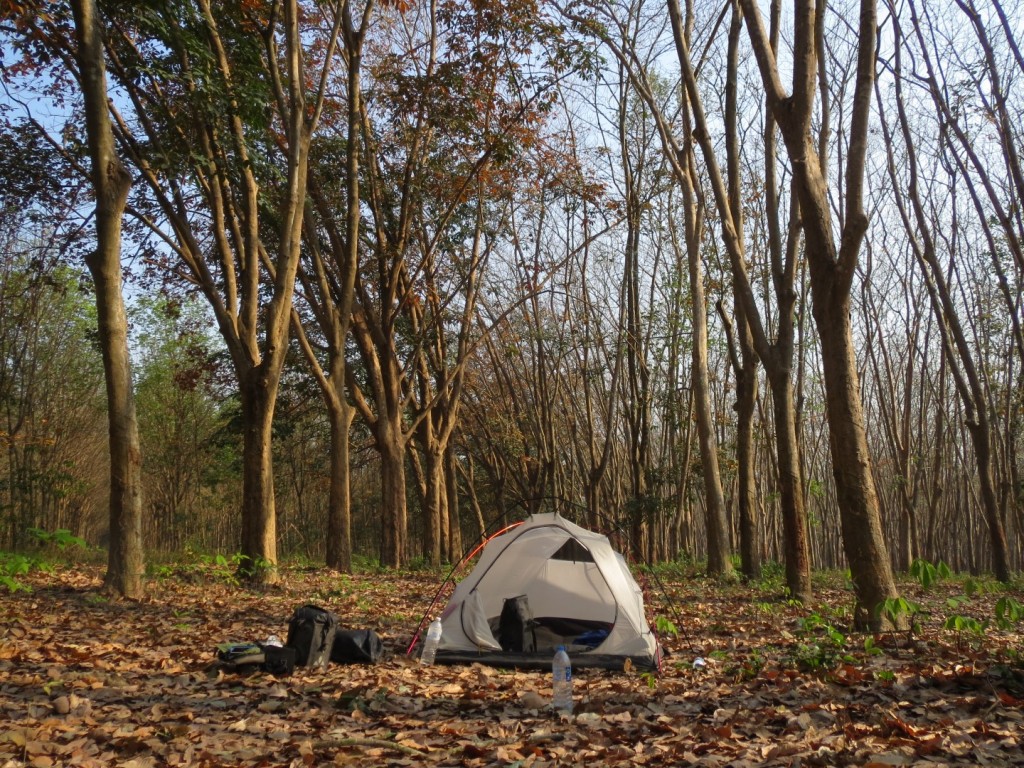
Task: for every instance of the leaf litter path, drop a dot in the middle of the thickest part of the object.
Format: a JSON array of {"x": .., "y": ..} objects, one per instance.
[{"x": 88, "y": 682}]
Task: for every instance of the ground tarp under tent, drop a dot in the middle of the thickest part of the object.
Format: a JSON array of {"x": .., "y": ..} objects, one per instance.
[{"x": 545, "y": 583}]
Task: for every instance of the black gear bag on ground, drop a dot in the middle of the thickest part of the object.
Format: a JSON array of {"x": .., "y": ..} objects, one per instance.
[
  {"x": 311, "y": 633},
  {"x": 356, "y": 646},
  {"x": 241, "y": 657}
]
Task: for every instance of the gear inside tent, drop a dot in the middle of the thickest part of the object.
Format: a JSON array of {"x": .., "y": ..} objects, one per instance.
[{"x": 545, "y": 583}]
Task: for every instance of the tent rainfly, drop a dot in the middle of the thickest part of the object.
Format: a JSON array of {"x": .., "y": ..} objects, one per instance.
[{"x": 545, "y": 583}]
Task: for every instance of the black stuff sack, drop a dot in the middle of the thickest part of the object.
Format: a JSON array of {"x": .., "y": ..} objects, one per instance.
[
  {"x": 278, "y": 660},
  {"x": 311, "y": 633},
  {"x": 356, "y": 646}
]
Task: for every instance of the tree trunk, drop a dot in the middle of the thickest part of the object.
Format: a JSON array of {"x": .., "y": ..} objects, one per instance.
[
  {"x": 454, "y": 517},
  {"x": 719, "y": 563},
  {"x": 746, "y": 401},
  {"x": 791, "y": 496},
  {"x": 979, "y": 431},
  {"x": 112, "y": 182},
  {"x": 863, "y": 537},
  {"x": 259, "y": 516},
  {"x": 434, "y": 513},
  {"x": 339, "y": 510},
  {"x": 393, "y": 497}
]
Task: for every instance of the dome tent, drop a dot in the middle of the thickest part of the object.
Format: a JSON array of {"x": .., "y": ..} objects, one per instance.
[{"x": 571, "y": 586}]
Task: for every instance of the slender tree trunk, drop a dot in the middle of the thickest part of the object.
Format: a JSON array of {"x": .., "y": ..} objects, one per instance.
[
  {"x": 454, "y": 515},
  {"x": 750, "y": 530},
  {"x": 393, "y": 495},
  {"x": 112, "y": 182},
  {"x": 719, "y": 563},
  {"x": 339, "y": 508},
  {"x": 346, "y": 253},
  {"x": 979, "y": 431},
  {"x": 744, "y": 364},
  {"x": 259, "y": 516},
  {"x": 433, "y": 501},
  {"x": 791, "y": 496}
]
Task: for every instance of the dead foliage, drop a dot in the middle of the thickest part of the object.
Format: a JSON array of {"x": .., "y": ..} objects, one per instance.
[{"x": 85, "y": 681}]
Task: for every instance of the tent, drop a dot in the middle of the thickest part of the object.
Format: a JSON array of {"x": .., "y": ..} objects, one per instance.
[{"x": 545, "y": 583}]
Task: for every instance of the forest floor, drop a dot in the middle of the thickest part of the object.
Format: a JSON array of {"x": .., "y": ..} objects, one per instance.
[{"x": 87, "y": 681}]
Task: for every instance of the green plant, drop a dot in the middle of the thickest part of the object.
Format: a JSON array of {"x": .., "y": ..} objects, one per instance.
[
  {"x": 229, "y": 568},
  {"x": 966, "y": 625},
  {"x": 893, "y": 609},
  {"x": 665, "y": 627},
  {"x": 12, "y": 566},
  {"x": 772, "y": 578},
  {"x": 1008, "y": 612},
  {"x": 748, "y": 668},
  {"x": 160, "y": 571},
  {"x": 826, "y": 645},
  {"x": 62, "y": 538},
  {"x": 870, "y": 647},
  {"x": 815, "y": 657},
  {"x": 928, "y": 574}
]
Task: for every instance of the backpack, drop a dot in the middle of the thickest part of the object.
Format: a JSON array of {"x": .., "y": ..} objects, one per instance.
[
  {"x": 311, "y": 632},
  {"x": 516, "y": 626},
  {"x": 356, "y": 646}
]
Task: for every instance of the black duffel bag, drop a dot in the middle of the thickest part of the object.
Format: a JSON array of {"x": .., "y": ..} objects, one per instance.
[{"x": 356, "y": 646}]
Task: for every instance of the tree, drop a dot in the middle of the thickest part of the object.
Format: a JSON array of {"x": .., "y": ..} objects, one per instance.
[
  {"x": 832, "y": 267},
  {"x": 456, "y": 105},
  {"x": 329, "y": 279},
  {"x": 199, "y": 134},
  {"x": 180, "y": 415},
  {"x": 920, "y": 231},
  {"x": 112, "y": 181},
  {"x": 54, "y": 430}
]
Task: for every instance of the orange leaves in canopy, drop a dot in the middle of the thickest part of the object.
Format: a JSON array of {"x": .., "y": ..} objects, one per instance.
[{"x": 402, "y": 6}]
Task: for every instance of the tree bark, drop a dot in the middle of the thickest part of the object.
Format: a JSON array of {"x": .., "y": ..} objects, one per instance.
[
  {"x": 259, "y": 516},
  {"x": 863, "y": 538},
  {"x": 393, "y": 497},
  {"x": 111, "y": 182},
  {"x": 339, "y": 510},
  {"x": 791, "y": 495},
  {"x": 744, "y": 367},
  {"x": 719, "y": 563}
]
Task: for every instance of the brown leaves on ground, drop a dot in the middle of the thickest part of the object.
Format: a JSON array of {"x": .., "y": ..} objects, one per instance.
[{"x": 88, "y": 682}]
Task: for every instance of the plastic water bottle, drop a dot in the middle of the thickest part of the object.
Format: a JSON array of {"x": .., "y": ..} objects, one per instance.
[
  {"x": 561, "y": 681},
  {"x": 432, "y": 641}
]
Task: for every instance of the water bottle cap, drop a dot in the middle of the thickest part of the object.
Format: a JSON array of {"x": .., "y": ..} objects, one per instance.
[{"x": 560, "y": 648}]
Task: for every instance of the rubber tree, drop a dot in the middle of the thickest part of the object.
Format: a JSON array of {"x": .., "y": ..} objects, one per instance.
[
  {"x": 112, "y": 182},
  {"x": 832, "y": 254}
]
